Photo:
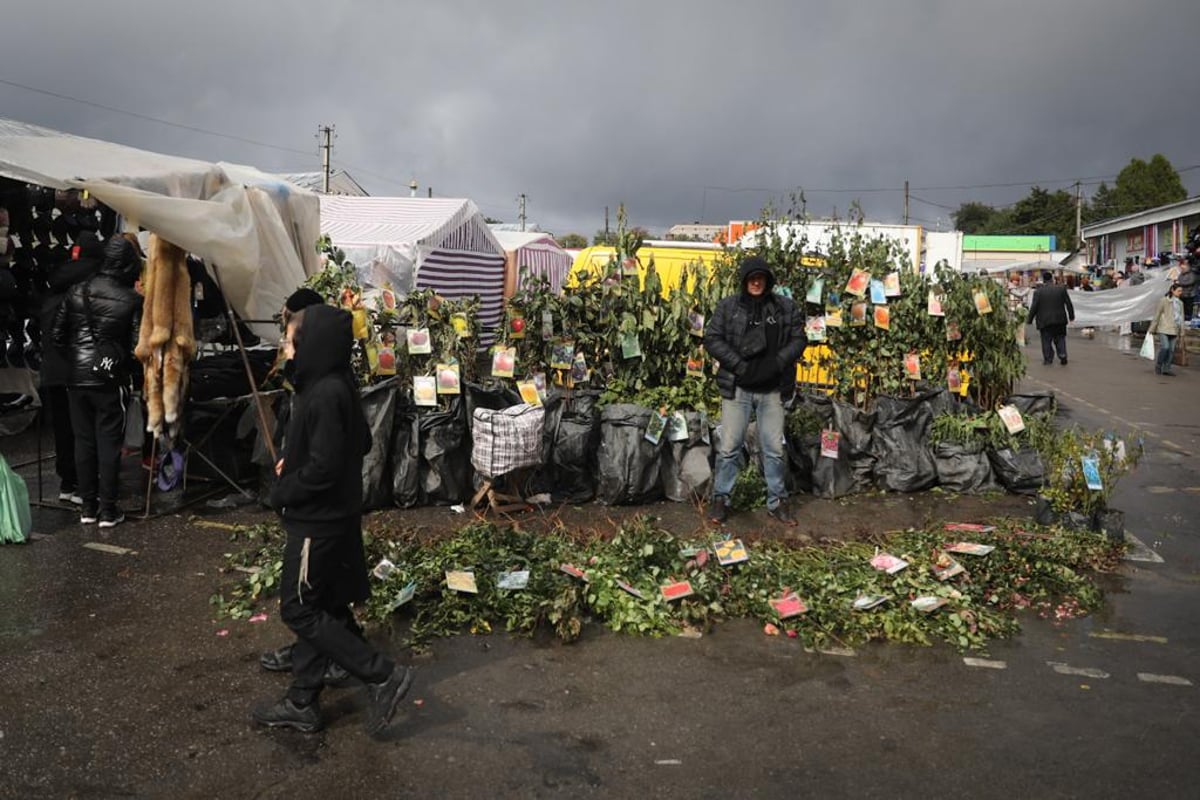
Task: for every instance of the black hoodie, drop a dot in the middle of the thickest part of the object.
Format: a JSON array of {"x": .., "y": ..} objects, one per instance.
[{"x": 327, "y": 436}]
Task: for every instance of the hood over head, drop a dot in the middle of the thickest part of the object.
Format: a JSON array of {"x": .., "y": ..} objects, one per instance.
[
  {"x": 751, "y": 265},
  {"x": 323, "y": 339},
  {"x": 121, "y": 260}
]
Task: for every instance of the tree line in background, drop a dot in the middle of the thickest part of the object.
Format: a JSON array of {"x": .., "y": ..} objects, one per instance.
[{"x": 1139, "y": 186}]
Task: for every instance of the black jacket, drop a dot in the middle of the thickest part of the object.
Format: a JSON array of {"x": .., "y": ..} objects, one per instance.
[
  {"x": 115, "y": 309},
  {"x": 1051, "y": 306},
  {"x": 86, "y": 257},
  {"x": 726, "y": 334},
  {"x": 327, "y": 434}
]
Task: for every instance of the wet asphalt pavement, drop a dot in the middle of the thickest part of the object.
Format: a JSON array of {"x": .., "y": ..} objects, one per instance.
[{"x": 117, "y": 684}]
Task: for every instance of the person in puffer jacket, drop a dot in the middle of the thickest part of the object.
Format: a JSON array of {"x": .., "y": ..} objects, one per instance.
[
  {"x": 103, "y": 309},
  {"x": 757, "y": 336}
]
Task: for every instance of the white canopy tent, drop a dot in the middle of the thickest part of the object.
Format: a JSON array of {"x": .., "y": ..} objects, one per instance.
[
  {"x": 412, "y": 243},
  {"x": 258, "y": 230}
]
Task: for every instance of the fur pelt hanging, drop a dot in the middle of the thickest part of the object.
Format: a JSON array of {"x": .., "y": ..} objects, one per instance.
[{"x": 166, "y": 339}]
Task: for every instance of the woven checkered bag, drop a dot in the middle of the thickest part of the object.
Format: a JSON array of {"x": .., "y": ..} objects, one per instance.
[{"x": 507, "y": 439}]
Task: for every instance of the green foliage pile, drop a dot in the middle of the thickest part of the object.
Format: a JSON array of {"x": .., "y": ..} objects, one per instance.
[{"x": 1048, "y": 570}]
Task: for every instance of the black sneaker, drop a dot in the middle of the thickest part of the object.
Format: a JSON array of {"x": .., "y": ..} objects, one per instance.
[
  {"x": 111, "y": 519},
  {"x": 782, "y": 513},
  {"x": 384, "y": 698},
  {"x": 717, "y": 512},
  {"x": 286, "y": 714},
  {"x": 1063, "y": 361},
  {"x": 88, "y": 516}
]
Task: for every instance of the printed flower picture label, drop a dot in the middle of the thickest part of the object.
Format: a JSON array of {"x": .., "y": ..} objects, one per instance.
[
  {"x": 1011, "y": 418},
  {"x": 513, "y": 580},
  {"x": 529, "y": 393},
  {"x": 562, "y": 355},
  {"x": 387, "y": 299},
  {"x": 834, "y": 300},
  {"x": 886, "y": 562},
  {"x": 982, "y": 304},
  {"x": 461, "y": 325},
  {"x": 815, "y": 290},
  {"x": 504, "y": 362},
  {"x": 630, "y": 346},
  {"x": 695, "y": 366},
  {"x": 629, "y": 588},
  {"x": 788, "y": 606},
  {"x": 516, "y": 327},
  {"x": 858, "y": 283},
  {"x": 912, "y": 366},
  {"x": 953, "y": 333},
  {"x": 573, "y": 571},
  {"x": 858, "y": 315},
  {"x": 814, "y": 329},
  {"x": 883, "y": 318},
  {"x": 954, "y": 379},
  {"x": 448, "y": 379},
  {"x": 656, "y": 427},
  {"x": 829, "y": 443},
  {"x": 696, "y": 324},
  {"x": 933, "y": 306},
  {"x": 946, "y": 568},
  {"x": 677, "y": 428},
  {"x": 968, "y": 527},
  {"x": 539, "y": 380},
  {"x": 865, "y": 602},
  {"x": 579, "y": 368},
  {"x": 547, "y": 325},
  {"x": 418, "y": 342},
  {"x": 833, "y": 318},
  {"x": 891, "y": 284},
  {"x": 970, "y": 548},
  {"x": 676, "y": 591},
  {"x": 1091, "y": 473},
  {"x": 730, "y": 551},
  {"x": 461, "y": 581},
  {"x": 878, "y": 294},
  {"x": 927, "y": 603},
  {"x": 424, "y": 390},
  {"x": 386, "y": 360}
]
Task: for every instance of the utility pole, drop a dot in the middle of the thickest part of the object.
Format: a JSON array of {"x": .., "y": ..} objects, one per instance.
[
  {"x": 326, "y": 134},
  {"x": 429, "y": 191},
  {"x": 521, "y": 211},
  {"x": 906, "y": 202},
  {"x": 1078, "y": 216}
]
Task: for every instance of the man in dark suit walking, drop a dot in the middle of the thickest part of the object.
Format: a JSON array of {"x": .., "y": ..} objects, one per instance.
[{"x": 1052, "y": 310}]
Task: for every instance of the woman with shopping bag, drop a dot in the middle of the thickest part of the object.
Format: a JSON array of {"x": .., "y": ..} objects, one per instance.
[{"x": 1167, "y": 325}]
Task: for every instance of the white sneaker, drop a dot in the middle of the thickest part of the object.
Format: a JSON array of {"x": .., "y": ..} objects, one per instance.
[
  {"x": 112, "y": 522},
  {"x": 70, "y": 497}
]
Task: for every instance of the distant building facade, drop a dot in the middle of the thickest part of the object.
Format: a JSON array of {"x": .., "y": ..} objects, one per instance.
[
  {"x": 1142, "y": 236},
  {"x": 695, "y": 232}
]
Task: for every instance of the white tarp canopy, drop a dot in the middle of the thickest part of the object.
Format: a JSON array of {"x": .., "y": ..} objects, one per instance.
[
  {"x": 258, "y": 230},
  {"x": 1121, "y": 305},
  {"x": 412, "y": 243},
  {"x": 534, "y": 253}
]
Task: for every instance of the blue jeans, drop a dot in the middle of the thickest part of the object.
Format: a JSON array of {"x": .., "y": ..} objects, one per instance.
[
  {"x": 767, "y": 408},
  {"x": 1166, "y": 352}
]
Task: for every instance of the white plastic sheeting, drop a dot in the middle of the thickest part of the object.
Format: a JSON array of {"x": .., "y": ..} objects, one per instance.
[
  {"x": 1120, "y": 306},
  {"x": 259, "y": 230}
]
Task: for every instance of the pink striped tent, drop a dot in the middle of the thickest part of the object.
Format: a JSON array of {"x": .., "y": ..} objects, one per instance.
[
  {"x": 533, "y": 254},
  {"x": 412, "y": 243}
]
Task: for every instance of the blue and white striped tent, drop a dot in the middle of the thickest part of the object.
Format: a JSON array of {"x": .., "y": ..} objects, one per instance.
[{"x": 409, "y": 243}]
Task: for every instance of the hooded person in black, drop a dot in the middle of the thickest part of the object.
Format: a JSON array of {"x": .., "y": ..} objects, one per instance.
[
  {"x": 757, "y": 337},
  {"x": 86, "y": 257},
  {"x": 319, "y": 498}
]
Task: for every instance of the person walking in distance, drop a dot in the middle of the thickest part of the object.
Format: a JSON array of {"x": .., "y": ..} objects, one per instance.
[
  {"x": 1051, "y": 309},
  {"x": 756, "y": 336},
  {"x": 319, "y": 498},
  {"x": 1167, "y": 325}
]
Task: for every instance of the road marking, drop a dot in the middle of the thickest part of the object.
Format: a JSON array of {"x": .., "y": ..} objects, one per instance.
[
  {"x": 1128, "y": 637},
  {"x": 1138, "y": 551},
  {"x": 1192, "y": 489},
  {"x": 1086, "y": 672},
  {"x": 1173, "y": 680},
  {"x": 984, "y": 663},
  {"x": 845, "y": 652},
  {"x": 1160, "y": 489},
  {"x": 111, "y": 549}
]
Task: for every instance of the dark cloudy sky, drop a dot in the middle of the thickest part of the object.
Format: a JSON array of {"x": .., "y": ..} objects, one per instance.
[{"x": 685, "y": 111}]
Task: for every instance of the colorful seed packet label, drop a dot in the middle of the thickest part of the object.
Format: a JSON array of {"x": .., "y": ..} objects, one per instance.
[
  {"x": 513, "y": 579},
  {"x": 405, "y": 595},
  {"x": 865, "y": 602},
  {"x": 677, "y": 428},
  {"x": 539, "y": 381},
  {"x": 968, "y": 527},
  {"x": 858, "y": 315},
  {"x": 424, "y": 390},
  {"x": 891, "y": 284},
  {"x": 630, "y": 346},
  {"x": 886, "y": 562},
  {"x": 878, "y": 295},
  {"x": 418, "y": 342},
  {"x": 927, "y": 603},
  {"x": 829, "y": 443},
  {"x": 946, "y": 568},
  {"x": 629, "y": 588},
  {"x": 448, "y": 379},
  {"x": 385, "y": 358},
  {"x": 833, "y": 318},
  {"x": 814, "y": 328},
  {"x": 858, "y": 283},
  {"x": 573, "y": 571},
  {"x": 504, "y": 362},
  {"x": 953, "y": 332},
  {"x": 461, "y": 581},
  {"x": 1091, "y": 473},
  {"x": 516, "y": 326},
  {"x": 1012, "y": 419},
  {"x": 461, "y": 325},
  {"x": 730, "y": 551},
  {"x": 982, "y": 304},
  {"x": 529, "y": 392},
  {"x": 883, "y": 317},
  {"x": 387, "y": 299},
  {"x": 815, "y": 290},
  {"x": 971, "y": 548},
  {"x": 676, "y": 591},
  {"x": 562, "y": 355},
  {"x": 695, "y": 366},
  {"x": 696, "y": 324},
  {"x": 789, "y": 605},
  {"x": 547, "y": 325},
  {"x": 933, "y": 306},
  {"x": 656, "y": 427},
  {"x": 912, "y": 366},
  {"x": 579, "y": 368}
]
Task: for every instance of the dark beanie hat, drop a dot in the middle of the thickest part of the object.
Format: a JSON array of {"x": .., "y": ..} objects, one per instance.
[{"x": 302, "y": 298}]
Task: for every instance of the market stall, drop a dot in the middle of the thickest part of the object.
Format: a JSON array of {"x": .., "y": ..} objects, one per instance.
[{"x": 532, "y": 254}]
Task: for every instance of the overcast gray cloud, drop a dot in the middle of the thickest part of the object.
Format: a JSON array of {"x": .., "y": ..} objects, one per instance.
[{"x": 682, "y": 110}]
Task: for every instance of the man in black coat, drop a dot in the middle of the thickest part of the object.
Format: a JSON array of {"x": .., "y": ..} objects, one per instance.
[
  {"x": 97, "y": 315},
  {"x": 1051, "y": 308},
  {"x": 757, "y": 336},
  {"x": 86, "y": 257},
  {"x": 319, "y": 497}
]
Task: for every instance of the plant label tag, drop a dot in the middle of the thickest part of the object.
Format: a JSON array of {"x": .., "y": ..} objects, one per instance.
[
  {"x": 631, "y": 589},
  {"x": 677, "y": 428},
  {"x": 573, "y": 571},
  {"x": 865, "y": 602},
  {"x": 579, "y": 368},
  {"x": 953, "y": 332},
  {"x": 516, "y": 327},
  {"x": 833, "y": 318},
  {"x": 946, "y": 567},
  {"x": 529, "y": 393},
  {"x": 547, "y": 325},
  {"x": 954, "y": 379},
  {"x": 912, "y": 366},
  {"x": 1012, "y": 418},
  {"x": 829, "y": 443},
  {"x": 695, "y": 365},
  {"x": 654, "y": 430},
  {"x": 969, "y": 527},
  {"x": 790, "y": 605},
  {"x": 859, "y": 280},
  {"x": 982, "y": 304},
  {"x": 515, "y": 579},
  {"x": 878, "y": 294},
  {"x": 405, "y": 595},
  {"x": 676, "y": 591},
  {"x": 815, "y": 290},
  {"x": 814, "y": 329},
  {"x": 886, "y": 562},
  {"x": 630, "y": 346},
  {"x": 425, "y": 390},
  {"x": 461, "y": 581},
  {"x": 883, "y": 318},
  {"x": 933, "y": 306},
  {"x": 696, "y": 324},
  {"x": 858, "y": 315},
  {"x": 891, "y": 284},
  {"x": 730, "y": 551},
  {"x": 504, "y": 362},
  {"x": 970, "y": 548},
  {"x": 417, "y": 341},
  {"x": 1091, "y": 473},
  {"x": 448, "y": 381},
  {"x": 562, "y": 355},
  {"x": 927, "y": 603},
  {"x": 383, "y": 569}
]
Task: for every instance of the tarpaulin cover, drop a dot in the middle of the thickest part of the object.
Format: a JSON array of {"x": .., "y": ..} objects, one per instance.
[
  {"x": 406, "y": 457},
  {"x": 379, "y": 407},
  {"x": 445, "y": 446},
  {"x": 804, "y": 451},
  {"x": 856, "y": 428},
  {"x": 963, "y": 468},
  {"x": 902, "y": 459},
  {"x": 629, "y": 464},
  {"x": 687, "y": 464},
  {"x": 1019, "y": 471},
  {"x": 1117, "y": 306},
  {"x": 569, "y": 444}
]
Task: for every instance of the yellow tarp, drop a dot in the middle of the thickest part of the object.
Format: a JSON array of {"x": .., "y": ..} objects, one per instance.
[{"x": 668, "y": 263}]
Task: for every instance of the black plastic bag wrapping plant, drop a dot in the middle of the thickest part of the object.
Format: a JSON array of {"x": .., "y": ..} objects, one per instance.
[
  {"x": 445, "y": 472},
  {"x": 572, "y": 437},
  {"x": 855, "y": 427},
  {"x": 406, "y": 457},
  {"x": 1043, "y": 403},
  {"x": 963, "y": 468},
  {"x": 687, "y": 470},
  {"x": 1019, "y": 471},
  {"x": 489, "y": 394},
  {"x": 379, "y": 407},
  {"x": 900, "y": 443},
  {"x": 629, "y": 465},
  {"x": 808, "y": 416}
]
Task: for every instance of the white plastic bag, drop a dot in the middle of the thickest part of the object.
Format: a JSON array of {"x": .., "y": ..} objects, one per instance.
[{"x": 1147, "y": 350}]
